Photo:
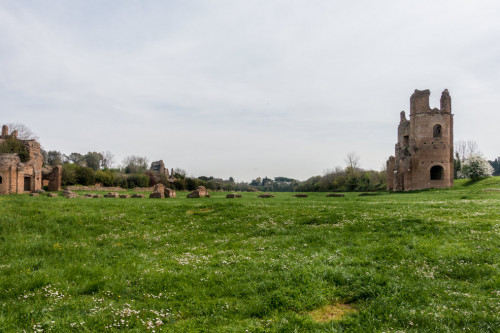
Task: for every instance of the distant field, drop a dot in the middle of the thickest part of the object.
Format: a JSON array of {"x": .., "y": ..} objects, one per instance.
[{"x": 420, "y": 261}]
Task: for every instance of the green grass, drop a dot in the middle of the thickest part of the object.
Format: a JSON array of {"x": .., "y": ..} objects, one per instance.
[{"x": 419, "y": 261}]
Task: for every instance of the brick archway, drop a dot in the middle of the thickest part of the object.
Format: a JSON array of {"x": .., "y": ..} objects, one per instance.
[{"x": 437, "y": 172}]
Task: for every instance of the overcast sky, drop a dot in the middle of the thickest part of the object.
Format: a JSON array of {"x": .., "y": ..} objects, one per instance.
[{"x": 246, "y": 88}]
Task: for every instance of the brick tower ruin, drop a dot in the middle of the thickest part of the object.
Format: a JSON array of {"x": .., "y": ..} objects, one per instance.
[{"x": 424, "y": 152}]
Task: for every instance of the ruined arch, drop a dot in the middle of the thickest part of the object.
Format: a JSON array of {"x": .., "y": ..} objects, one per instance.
[
  {"x": 437, "y": 131},
  {"x": 437, "y": 172}
]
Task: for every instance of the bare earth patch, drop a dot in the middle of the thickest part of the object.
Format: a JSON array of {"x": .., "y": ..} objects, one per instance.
[
  {"x": 199, "y": 211},
  {"x": 331, "y": 312}
]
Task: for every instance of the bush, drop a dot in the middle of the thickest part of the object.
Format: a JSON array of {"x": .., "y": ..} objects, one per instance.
[
  {"x": 179, "y": 184},
  {"x": 106, "y": 178},
  {"x": 191, "y": 184},
  {"x": 68, "y": 176},
  {"x": 476, "y": 167},
  {"x": 152, "y": 179},
  {"x": 120, "y": 181},
  {"x": 85, "y": 176},
  {"x": 138, "y": 180},
  {"x": 14, "y": 146},
  {"x": 162, "y": 179}
]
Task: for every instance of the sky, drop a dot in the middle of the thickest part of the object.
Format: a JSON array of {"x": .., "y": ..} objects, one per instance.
[{"x": 246, "y": 89}]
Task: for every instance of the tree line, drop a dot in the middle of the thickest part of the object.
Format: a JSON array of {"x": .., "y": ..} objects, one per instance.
[{"x": 98, "y": 168}]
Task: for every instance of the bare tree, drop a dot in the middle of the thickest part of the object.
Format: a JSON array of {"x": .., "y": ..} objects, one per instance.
[
  {"x": 352, "y": 160},
  {"x": 466, "y": 148},
  {"x": 108, "y": 159},
  {"x": 23, "y": 131},
  {"x": 135, "y": 164}
]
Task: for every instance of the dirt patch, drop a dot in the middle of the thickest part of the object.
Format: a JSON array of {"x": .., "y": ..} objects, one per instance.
[
  {"x": 199, "y": 211},
  {"x": 331, "y": 312}
]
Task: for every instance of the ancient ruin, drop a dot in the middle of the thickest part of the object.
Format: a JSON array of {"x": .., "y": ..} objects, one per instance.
[
  {"x": 17, "y": 175},
  {"x": 69, "y": 194},
  {"x": 52, "y": 178},
  {"x": 424, "y": 152},
  {"x": 169, "y": 193},
  {"x": 158, "y": 167},
  {"x": 200, "y": 192},
  {"x": 158, "y": 192}
]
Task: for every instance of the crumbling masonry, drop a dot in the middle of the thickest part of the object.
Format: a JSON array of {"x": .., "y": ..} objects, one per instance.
[
  {"x": 23, "y": 177},
  {"x": 424, "y": 152},
  {"x": 18, "y": 177}
]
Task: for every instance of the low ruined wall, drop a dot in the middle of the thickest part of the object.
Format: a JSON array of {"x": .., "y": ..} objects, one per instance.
[{"x": 94, "y": 188}]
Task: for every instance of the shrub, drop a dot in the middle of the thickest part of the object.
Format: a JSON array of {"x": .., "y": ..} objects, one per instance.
[
  {"x": 106, "y": 178},
  {"x": 476, "y": 167},
  {"x": 179, "y": 184},
  {"x": 14, "y": 146},
  {"x": 68, "y": 176},
  {"x": 162, "y": 179},
  {"x": 138, "y": 180},
  {"x": 152, "y": 178},
  {"x": 120, "y": 181},
  {"x": 191, "y": 184},
  {"x": 85, "y": 176}
]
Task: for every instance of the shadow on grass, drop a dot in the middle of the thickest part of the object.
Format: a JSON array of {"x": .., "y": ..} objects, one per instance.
[{"x": 472, "y": 182}]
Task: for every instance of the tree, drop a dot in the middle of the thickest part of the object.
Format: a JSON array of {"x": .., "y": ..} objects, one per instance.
[
  {"x": 77, "y": 159},
  {"x": 476, "y": 167},
  {"x": 179, "y": 173},
  {"x": 135, "y": 164},
  {"x": 54, "y": 158},
  {"x": 108, "y": 159},
  {"x": 457, "y": 165},
  {"x": 106, "y": 178},
  {"x": 23, "y": 132},
  {"x": 85, "y": 176},
  {"x": 496, "y": 166},
  {"x": 191, "y": 183},
  {"x": 93, "y": 160},
  {"x": 69, "y": 174},
  {"x": 466, "y": 148},
  {"x": 352, "y": 160}
]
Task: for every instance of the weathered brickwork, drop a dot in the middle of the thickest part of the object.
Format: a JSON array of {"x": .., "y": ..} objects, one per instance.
[
  {"x": 424, "y": 152},
  {"x": 18, "y": 177},
  {"x": 158, "y": 167}
]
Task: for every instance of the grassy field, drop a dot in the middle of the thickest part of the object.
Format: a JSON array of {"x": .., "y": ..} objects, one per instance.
[{"x": 420, "y": 261}]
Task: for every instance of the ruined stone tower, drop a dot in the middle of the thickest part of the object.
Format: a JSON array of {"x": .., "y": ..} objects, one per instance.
[{"x": 424, "y": 152}]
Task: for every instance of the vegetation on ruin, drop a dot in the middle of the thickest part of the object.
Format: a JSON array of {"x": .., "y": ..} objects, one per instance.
[
  {"x": 424, "y": 261},
  {"x": 14, "y": 146}
]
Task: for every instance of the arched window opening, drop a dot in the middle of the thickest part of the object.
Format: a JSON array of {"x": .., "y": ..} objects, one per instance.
[
  {"x": 438, "y": 131},
  {"x": 437, "y": 172},
  {"x": 0, "y": 179}
]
